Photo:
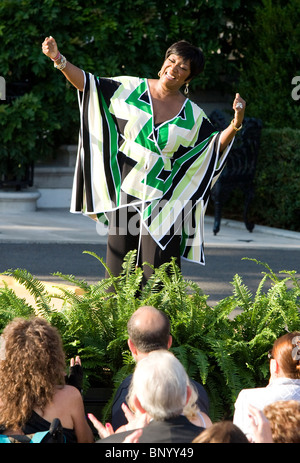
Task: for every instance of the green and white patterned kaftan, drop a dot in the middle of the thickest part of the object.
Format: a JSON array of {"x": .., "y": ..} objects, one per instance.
[{"x": 166, "y": 172}]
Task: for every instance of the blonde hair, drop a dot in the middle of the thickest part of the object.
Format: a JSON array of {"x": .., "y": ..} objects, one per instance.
[
  {"x": 32, "y": 364},
  {"x": 191, "y": 408}
]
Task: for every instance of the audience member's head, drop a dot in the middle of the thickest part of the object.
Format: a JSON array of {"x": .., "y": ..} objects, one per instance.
[
  {"x": 223, "y": 432},
  {"x": 285, "y": 356},
  {"x": 32, "y": 364},
  {"x": 148, "y": 330},
  {"x": 284, "y": 418},
  {"x": 159, "y": 386}
]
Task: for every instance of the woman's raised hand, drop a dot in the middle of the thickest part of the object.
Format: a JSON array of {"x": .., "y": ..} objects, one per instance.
[
  {"x": 49, "y": 47},
  {"x": 239, "y": 106},
  {"x": 74, "y": 74}
]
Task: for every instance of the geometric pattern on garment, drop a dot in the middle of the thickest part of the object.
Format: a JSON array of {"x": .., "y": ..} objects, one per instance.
[{"x": 165, "y": 171}]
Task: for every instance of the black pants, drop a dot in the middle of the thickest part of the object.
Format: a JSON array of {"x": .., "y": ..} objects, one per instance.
[{"x": 124, "y": 235}]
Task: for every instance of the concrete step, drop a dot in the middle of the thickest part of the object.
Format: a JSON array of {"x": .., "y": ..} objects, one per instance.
[{"x": 54, "y": 179}]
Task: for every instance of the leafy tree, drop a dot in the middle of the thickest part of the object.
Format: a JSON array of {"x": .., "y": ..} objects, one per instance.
[
  {"x": 271, "y": 62},
  {"x": 103, "y": 37}
]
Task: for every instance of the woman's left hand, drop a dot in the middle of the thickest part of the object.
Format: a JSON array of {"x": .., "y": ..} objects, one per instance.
[{"x": 239, "y": 106}]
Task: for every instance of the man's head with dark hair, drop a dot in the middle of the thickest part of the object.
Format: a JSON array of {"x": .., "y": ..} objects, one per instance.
[{"x": 148, "y": 330}]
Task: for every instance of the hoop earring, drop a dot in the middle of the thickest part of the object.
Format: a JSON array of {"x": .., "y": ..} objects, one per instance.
[{"x": 186, "y": 89}]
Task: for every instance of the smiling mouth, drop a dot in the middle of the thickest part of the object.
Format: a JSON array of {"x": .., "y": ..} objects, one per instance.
[{"x": 170, "y": 76}]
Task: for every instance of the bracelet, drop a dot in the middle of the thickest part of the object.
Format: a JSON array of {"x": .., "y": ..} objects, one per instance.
[
  {"x": 236, "y": 128},
  {"x": 56, "y": 57},
  {"x": 62, "y": 65}
]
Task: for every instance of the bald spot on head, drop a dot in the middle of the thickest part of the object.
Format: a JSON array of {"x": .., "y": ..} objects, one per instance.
[
  {"x": 149, "y": 329},
  {"x": 148, "y": 318}
]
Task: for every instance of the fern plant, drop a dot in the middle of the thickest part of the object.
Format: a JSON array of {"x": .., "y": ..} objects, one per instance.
[{"x": 225, "y": 353}]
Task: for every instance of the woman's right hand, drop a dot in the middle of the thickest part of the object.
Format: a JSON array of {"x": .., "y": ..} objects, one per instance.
[
  {"x": 74, "y": 74},
  {"x": 49, "y": 47}
]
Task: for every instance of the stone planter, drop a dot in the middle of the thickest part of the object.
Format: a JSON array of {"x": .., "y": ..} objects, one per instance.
[{"x": 16, "y": 202}]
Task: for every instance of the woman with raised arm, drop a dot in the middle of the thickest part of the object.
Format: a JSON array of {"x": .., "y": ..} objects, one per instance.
[{"x": 147, "y": 157}]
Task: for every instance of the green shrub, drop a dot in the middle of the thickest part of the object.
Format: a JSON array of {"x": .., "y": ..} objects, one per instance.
[
  {"x": 224, "y": 353},
  {"x": 276, "y": 200},
  {"x": 106, "y": 38},
  {"x": 277, "y": 184},
  {"x": 270, "y": 63},
  {"x": 22, "y": 140}
]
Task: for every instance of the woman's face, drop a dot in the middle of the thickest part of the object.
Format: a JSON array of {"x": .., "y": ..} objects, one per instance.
[{"x": 175, "y": 71}]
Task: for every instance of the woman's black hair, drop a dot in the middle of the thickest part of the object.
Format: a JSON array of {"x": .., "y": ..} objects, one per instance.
[{"x": 188, "y": 52}]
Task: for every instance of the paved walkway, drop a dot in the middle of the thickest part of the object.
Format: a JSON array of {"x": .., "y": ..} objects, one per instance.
[{"x": 60, "y": 226}]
